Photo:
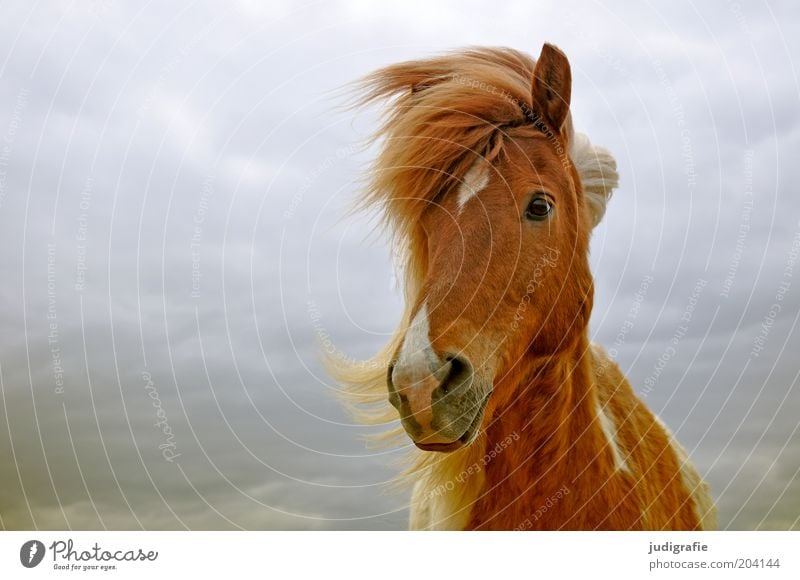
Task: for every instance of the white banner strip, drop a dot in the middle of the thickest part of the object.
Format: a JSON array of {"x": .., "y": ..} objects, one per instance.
[{"x": 401, "y": 555}]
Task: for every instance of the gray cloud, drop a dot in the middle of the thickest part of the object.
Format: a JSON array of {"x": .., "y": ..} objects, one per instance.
[{"x": 134, "y": 132}]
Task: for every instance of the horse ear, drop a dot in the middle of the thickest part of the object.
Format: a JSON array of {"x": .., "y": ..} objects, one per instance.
[{"x": 552, "y": 85}]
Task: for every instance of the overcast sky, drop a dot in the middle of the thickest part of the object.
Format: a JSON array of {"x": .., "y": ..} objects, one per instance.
[{"x": 174, "y": 182}]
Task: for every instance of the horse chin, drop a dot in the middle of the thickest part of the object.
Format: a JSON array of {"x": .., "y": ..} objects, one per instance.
[
  {"x": 466, "y": 438},
  {"x": 441, "y": 447}
]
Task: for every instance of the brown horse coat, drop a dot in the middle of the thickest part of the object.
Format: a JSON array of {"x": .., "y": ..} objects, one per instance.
[{"x": 491, "y": 198}]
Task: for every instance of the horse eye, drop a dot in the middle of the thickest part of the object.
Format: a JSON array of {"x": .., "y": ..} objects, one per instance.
[{"x": 538, "y": 209}]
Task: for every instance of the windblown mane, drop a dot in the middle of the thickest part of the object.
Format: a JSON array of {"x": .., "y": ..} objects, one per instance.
[{"x": 442, "y": 113}]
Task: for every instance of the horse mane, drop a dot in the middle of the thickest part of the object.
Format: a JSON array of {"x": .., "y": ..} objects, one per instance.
[{"x": 443, "y": 114}]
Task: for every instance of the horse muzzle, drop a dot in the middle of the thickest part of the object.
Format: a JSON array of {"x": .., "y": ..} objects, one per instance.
[{"x": 441, "y": 400}]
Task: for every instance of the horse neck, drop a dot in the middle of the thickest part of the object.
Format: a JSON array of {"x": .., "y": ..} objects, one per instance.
[
  {"x": 536, "y": 437},
  {"x": 553, "y": 400}
]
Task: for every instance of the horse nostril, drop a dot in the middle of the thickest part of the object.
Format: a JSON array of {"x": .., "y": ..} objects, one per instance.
[{"x": 459, "y": 371}]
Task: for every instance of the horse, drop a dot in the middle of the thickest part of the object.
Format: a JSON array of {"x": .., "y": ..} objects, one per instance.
[{"x": 518, "y": 420}]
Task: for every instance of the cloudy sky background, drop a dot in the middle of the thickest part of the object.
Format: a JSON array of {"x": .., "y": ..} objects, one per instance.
[{"x": 130, "y": 131}]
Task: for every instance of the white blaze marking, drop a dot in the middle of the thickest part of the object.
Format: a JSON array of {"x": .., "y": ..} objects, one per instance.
[
  {"x": 474, "y": 181},
  {"x": 416, "y": 353},
  {"x": 610, "y": 433}
]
